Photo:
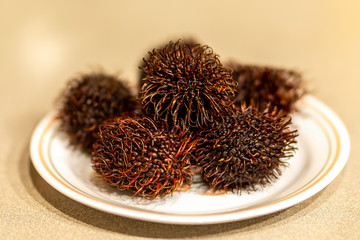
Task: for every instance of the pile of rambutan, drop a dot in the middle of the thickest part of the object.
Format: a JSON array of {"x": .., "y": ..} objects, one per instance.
[{"x": 230, "y": 122}]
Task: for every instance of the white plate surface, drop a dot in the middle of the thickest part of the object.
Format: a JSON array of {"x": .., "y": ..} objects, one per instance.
[{"x": 323, "y": 149}]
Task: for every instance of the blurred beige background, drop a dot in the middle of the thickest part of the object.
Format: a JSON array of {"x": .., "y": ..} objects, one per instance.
[{"x": 44, "y": 43}]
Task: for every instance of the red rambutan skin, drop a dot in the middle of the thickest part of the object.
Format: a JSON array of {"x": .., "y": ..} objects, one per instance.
[
  {"x": 191, "y": 42},
  {"x": 146, "y": 158}
]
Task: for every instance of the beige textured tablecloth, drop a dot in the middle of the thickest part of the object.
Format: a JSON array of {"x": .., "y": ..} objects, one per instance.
[{"x": 43, "y": 44}]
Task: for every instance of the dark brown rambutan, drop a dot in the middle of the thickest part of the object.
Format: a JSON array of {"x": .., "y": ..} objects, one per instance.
[
  {"x": 89, "y": 100},
  {"x": 186, "y": 83},
  {"x": 245, "y": 149},
  {"x": 279, "y": 87},
  {"x": 147, "y": 159},
  {"x": 191, "y": 42}
]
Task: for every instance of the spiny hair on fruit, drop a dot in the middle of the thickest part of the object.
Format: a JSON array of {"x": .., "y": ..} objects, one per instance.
[
  {"x": 245, "y": 149},
  {"x": 141, "y": 156},
  {"x": 264, "y": 84},
  {"x": 186, "y": 83},
  {"x": 87, "y": 101}
]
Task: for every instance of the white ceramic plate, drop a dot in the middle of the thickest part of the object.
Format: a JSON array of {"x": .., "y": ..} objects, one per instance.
[{"x": 323, "y": 149}]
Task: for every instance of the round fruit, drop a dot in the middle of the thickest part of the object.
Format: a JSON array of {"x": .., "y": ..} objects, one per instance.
[
  {"x": 186, "y": 84},
  {"x": 279, "y": 87},
  {"x": 147, "y": 159},
  {"x": 89, "y": 100},
  {"x": 245, "y": 149}
]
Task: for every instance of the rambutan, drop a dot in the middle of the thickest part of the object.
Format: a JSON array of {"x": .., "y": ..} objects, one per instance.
[
  {"x": 186, "y": 83},
  {"x": 264, "y": 85},
  {"x": 191, "y": 42},
  {"x": 87, "y": 101},
  {"x": 247, "y": 148},
  {"x": 143, "y": 157}
]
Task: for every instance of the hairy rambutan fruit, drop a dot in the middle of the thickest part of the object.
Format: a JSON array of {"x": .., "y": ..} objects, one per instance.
[
  {"x": 279, "y": 87},
  {"x": 186, "y": 83},
  {"x": 191, "y": 42},
  {"x": 247, "y": 148},
  {"x": 87, "y": 101},
  {"x": 138, "y": 155}
]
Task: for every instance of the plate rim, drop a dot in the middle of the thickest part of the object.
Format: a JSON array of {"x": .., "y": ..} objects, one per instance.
[{"x": 337, "y": 164}]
